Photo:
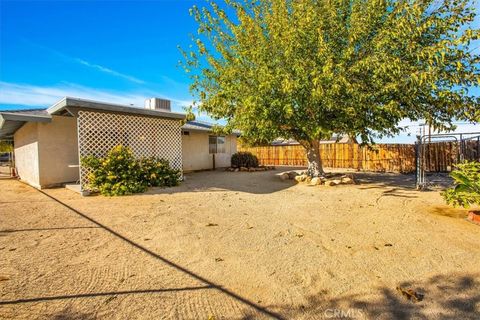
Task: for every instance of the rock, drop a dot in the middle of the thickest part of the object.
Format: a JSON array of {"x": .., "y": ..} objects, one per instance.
[
  {"x": 316, "y": 181},
  {"x": 308, "y": 179},
  {"x": 236, "y": 169},
  {"x": 284, "y": 176},
  {"x": 301, "y": 178},
  {"x": 243, "y": 169},
  {"x": 337, "y": 182},
  {"x": 292, "y": 174},
  {"x": 251, "y": 170},
  {"x": 330, "y": 183},
  {"x": 298, "y": 178},
  {"x": 347, "y": 180}
]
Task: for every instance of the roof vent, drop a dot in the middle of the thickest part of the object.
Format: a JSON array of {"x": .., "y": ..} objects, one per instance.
[{"x": 158, "y": 104}]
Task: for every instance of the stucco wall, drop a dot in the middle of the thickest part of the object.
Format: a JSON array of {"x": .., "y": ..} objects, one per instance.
[
  {"x": 58, "y": 149},
  {"x": 44, "y": 151},
  {"x": 195, "y": 152},
  {"x": 26, "y": 153}
]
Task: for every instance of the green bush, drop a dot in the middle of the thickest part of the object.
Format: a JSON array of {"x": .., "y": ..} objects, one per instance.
[
  {"x": 119, "y": 173},
  {"x": 158, "y": 173},
  {"x": 244, "y": 159},
  {"x": 466, "y": 190}
]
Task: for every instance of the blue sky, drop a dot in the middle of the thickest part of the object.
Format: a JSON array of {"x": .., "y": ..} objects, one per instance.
[
  {"x": 108, "y": 50},
  {"x": 115, "y": 51}
]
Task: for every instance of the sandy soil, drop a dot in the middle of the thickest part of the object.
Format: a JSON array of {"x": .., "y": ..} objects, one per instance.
[{"x": 237, "y": 246}]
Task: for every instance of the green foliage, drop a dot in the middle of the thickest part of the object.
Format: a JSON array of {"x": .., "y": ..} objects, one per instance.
[
  {"x": 466, "y": 191},
  {"x": 119, "y": 173},
  {"x": 307, "y": 69},
  {"x": 6, "y": 146},
  {"x": 244, "y": 159},
  {"x": 158, "y": 173}
]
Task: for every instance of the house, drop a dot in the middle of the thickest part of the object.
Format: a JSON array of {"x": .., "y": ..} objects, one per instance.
[{"x": 48, "y": 143}]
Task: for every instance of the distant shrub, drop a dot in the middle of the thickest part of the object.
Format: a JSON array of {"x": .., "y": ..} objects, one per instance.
[
  {"x": 6, "y": 146},
  {"x": 466, "y": 191},
  {"x": 119, "y": 173},
  {"x": 244, "y": 159}
]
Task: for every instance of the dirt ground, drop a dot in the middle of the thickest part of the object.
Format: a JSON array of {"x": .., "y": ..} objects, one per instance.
[{"x": 238, "y": 245}]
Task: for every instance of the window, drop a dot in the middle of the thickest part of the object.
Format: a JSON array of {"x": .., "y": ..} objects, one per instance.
[{"x": 216, "y": 144}]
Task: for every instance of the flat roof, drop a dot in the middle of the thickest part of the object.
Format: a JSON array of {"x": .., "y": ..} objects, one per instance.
[
  {"x": 12, "y": 120},
  {"x": 61, "y": 106}
]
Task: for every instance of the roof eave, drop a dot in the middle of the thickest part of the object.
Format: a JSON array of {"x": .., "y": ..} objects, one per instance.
[
  {"x": 69, "y": 102},
  {"x": 13, "y": 122}
]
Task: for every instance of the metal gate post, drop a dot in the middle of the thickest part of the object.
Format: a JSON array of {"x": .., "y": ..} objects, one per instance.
[{"x": 418, "y": 165}]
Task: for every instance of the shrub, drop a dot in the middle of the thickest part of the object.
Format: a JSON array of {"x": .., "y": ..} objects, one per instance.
[
  {"x": 119, "y": 173},
  {"x": 466, "y": 190},
  {"x": 158, "y": 173},
  {"x": 244, "y": 159}
]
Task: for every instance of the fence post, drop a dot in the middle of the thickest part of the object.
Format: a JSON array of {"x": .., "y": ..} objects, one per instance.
[{"x": 418, "y": 180}]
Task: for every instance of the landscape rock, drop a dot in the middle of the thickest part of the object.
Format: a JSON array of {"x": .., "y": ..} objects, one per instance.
[
  {"x": 252, "y": 169},
  {"x": 301, "y": 178},
  {"x": 347, "y": 180},
  {"x": 292, "y": 174},
  {"x": 284, "y": 176},
  {"x": 330, "y": 183},
  {"x": 337, "y": 182},
  {"x": 308, "y": 179},
  {"x": 316, "y": 181},
  {"x": 236, "y": 169},
  {"x": 243, "y": 169}
]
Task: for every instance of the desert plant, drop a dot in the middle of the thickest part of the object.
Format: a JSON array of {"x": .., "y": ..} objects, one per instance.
[
  {"x": 119, "y": 173},
  {"x": 158, "y": 173},
  {"x": 244, "y": 159},
  {"x": 466, "y": 190}
]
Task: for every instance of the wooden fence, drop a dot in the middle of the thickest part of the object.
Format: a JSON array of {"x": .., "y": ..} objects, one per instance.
[
  {"x": 381, "y": 158},
  {"x": 438, "y": 157}
]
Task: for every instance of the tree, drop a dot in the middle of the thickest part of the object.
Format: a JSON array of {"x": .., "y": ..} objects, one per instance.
[{"x": 307, "y": 69}]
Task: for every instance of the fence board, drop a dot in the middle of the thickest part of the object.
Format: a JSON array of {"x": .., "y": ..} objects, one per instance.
[
  {"x": 439, "y": 157},
  {"x": 383, "y": 157}
]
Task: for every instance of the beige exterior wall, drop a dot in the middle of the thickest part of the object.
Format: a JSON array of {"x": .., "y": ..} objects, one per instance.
[
  {"x": 26, "y": 154},
  {"x": 58, "y": 149},
  {"x": 196, "y": 156},
  {"x": 44, "y": 151}
]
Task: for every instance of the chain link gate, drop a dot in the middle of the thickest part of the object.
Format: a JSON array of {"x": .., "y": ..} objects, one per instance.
[{"x": 439, "y": 153}]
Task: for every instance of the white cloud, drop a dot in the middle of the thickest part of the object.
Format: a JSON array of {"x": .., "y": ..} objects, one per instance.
[
  {"x": 85, "y": 62},
  {"x": 109, "y": 71},
  {"x": 31, "y": 95}
]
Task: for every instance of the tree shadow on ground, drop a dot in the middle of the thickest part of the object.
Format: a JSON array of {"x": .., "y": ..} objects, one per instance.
[
  {"x": 262, "y": 182},
  {"x": 70, "y": 314},
  {"x": 446, "y": 296},
  {"x": 375, "y": 180},
  {"x": 266, "y": 182}
]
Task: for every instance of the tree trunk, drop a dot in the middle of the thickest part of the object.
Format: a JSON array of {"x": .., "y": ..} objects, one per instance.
[{"x": 315, "y": 166}]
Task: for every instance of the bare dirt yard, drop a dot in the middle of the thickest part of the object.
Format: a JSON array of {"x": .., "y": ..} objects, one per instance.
[{"x": 238, "y": 245}]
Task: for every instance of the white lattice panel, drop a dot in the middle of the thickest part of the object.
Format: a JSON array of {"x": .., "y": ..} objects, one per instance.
[{"x": 99, "y": 132}]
